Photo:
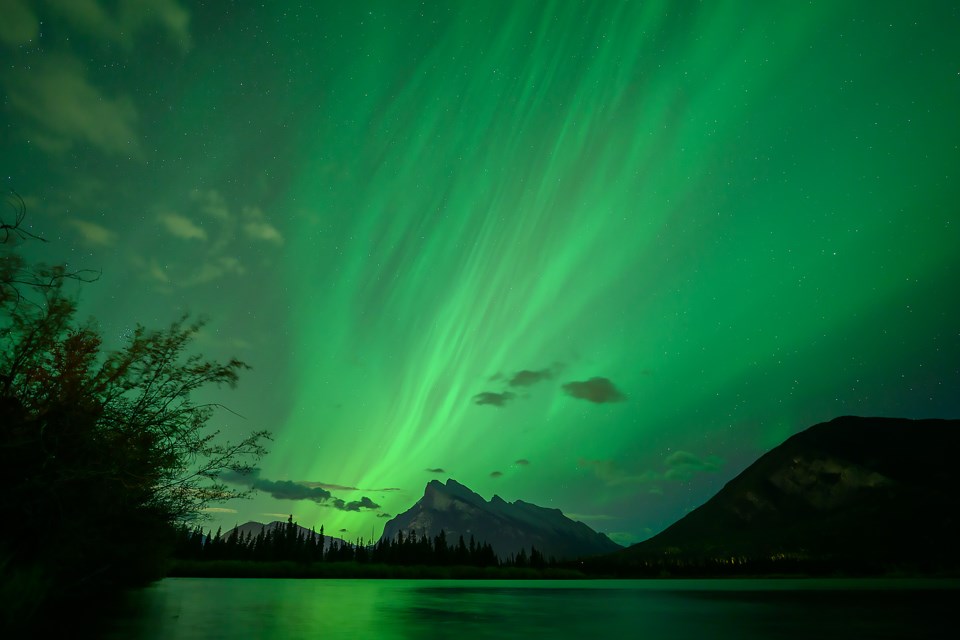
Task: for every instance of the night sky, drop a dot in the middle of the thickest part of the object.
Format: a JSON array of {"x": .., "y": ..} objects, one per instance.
[{"x": 598, "y": 256}]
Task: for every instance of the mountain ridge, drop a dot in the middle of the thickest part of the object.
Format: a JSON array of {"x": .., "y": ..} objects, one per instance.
[
  {"x": 508, "y": 527},
  {"x": 865, "y": 491},
  {"x": 254, "y": 528}
]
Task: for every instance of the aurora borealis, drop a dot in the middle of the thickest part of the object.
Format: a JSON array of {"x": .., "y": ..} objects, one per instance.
[{"x": 598, "y": 256}]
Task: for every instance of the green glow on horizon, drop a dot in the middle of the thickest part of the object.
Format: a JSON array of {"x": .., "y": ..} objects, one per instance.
[{"x": 743, "y": 217}]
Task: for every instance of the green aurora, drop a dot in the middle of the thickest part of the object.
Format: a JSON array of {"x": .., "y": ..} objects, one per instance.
[{"x": 744, "y": 216}]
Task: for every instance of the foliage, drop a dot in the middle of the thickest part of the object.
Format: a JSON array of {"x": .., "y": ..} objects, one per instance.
[
  {"x": 102, "y": 452},
  {"x": 288, "y": 542},
  {"x": 334, "y": 570}
]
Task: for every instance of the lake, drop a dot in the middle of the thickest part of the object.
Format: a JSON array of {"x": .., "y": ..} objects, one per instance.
[{"x": 650, "y": 609}]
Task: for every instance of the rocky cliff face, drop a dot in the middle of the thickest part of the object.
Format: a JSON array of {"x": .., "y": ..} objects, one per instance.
[{"x": 506, "y": 526}]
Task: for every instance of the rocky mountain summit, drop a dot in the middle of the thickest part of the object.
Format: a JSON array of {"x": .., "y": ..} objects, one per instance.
[{"x": 507, "y": 526}]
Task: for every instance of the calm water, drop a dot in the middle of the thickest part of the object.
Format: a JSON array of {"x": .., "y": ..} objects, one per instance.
[{"x": 357, "y": 609}]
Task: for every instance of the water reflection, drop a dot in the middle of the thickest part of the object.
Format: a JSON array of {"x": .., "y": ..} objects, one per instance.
[{"x": 288, "y": 609}]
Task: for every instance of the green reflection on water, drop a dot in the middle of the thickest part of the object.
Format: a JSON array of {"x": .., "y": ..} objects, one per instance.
[{"x": 287, "y": 609}]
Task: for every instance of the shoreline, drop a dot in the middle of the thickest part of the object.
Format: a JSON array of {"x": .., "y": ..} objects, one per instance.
[{"x": 347, "y": 570}]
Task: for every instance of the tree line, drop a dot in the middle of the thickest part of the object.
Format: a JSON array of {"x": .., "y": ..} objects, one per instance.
[{"x": 288, "y": 542}]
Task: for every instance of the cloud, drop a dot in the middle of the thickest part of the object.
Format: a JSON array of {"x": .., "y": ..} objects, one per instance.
[
  {"x": 344, "y": 530},
  {"x": 326, "y": 485},
  {"x": 215, "y": 269},
  {"x": 165, "y": 13},
  {"x": 683, "y": 465},
  {"x": 679, "y": 466},
  {"x": 211, "y": 203},
  {"x": 19, "y": 24},
  {"x": 252, "y": 222},
  {"x": 55, "y": 94},
  {"x": 384, "y": 515},
  {"x": 218, "y": 510},
  {"x": 222, "y": 235},
  {"x": 613, "y": 474},
  {"x": 342, "y": 487},
  {"x": 93, "y": 233},
  {"x": 256, "y": 227},
  {"x": 528, "y": 378},
  {"x": 157, "y": 272},
  {"x": 597, "y": 390},
  {"x": 494, "y": 399},
  {"x": 521, "y": 379},
  {"x": 596, "y": 517},
  {"x": 280, "y": 489},
  {"x": 263, "y": 231},
  {"x": 181, "y": 226},
  {"x": 122, "y": 21},
  {"x": 289, "y": 490},
  {"x": 437, "y": 470},
  {"x": 356, "y": 505},
  {"x": 496, "y": 474},
  {"x": 522, "y": 462}
]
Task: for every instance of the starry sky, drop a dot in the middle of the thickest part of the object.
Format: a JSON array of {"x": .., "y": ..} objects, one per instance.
[{"x": 594, "y": 255}]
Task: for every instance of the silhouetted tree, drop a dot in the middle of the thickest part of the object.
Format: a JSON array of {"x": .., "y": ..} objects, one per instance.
[
  {"x": 537, "y": 560},
  {"x": 94, "y": 442},
  {"x": 521, "y": 558},
  {"x": 462, "y": 554},
  {"x": 440, "y": 548}
]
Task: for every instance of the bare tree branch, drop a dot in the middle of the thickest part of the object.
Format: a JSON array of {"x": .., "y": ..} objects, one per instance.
[{"x": 14, "y": 229}]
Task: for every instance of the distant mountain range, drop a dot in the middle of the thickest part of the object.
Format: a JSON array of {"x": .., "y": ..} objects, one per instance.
[
  {"x": 254, "y": 529},
  {"x": 507, "y": 526},
  {"x": 853, "y": 494},
  {"x": 868, "y": 492}
]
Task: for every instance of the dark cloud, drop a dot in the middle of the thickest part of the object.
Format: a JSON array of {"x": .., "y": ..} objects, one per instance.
[
  {"x": 280, "y": 489},
  {"x": 523, "y": 462},
  {"x": 384, "y": 515},
  {"x": 528, "y": 378},
  {"x": 327, "y": 485},
  {"x": 494, "y": 399},
  {"x": 521, "y": 379},
  {"x": 344, "y": 530},
  {"x": 598, "y": 390},
  {"x": 496, "y": 474},
  {"x": 289, "y": 490},
  {"x": 355, "y": 505},
  {"x": 342, "y": 487},
  {"x": 437, "y": 470}
]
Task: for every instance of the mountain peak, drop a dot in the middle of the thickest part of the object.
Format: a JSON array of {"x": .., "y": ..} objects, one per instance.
[{"x": 508, "y": 527}]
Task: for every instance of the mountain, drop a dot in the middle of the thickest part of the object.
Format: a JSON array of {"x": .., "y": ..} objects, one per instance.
[
  {"x": 254, "y": 529},
  {"x": 862, "y": 492},
  {"x": 506, "y": 526}
]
